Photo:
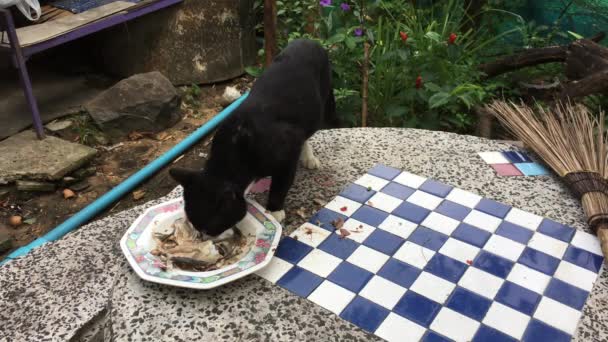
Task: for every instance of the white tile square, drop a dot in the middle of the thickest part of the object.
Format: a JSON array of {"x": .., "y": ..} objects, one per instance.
[
  {"x": 319, "y": 262},
  {"x": 575, "y": 275},
  {"x": 331, "y": 297},
  {"x": 414, "y": 254},
  {"x": 310, "y": 234},
  {"x": 433, "y": 287},
  {"x": 368, "y": 259},
  {"x": 466, "y": 198},
  {"x": 494, "y": 158},
  {"x": 398, "y": 329},
  {"x": 587, "y": 242},
  {"x": 358, "y": 231},
  {"x": 339, "y": 203},
  {"x": 275, "y": 269},
  {"x": 384, "y": 202},
  {"x": 481, "y": 282},
  {"x": 440, "y": 223},
  {"x": 410, "y": 179},
  {"x": 459, "y": 250},
  {"x": 455, "y": 325},
  {"x": 372, "y": 182},
  {"x": 507, "y": 320},
  {"x": 425, "y": 200},
  {"x": 548, "y": 245},
  {"x": 383, "y": 292},
  {"x": 398, "y": 226},
  {"x": 524, "y": 219},
  {"x": 504, "y": 247},
  {"x": 529, "y": 278},
  {"x": 482, "y": 221},
  {"x": 557, "y": 315}
]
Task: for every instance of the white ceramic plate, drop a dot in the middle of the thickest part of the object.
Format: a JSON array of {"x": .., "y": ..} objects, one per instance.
[{"x": 137, "y": 243}]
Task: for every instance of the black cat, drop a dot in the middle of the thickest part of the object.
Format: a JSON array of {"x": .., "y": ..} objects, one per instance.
[{"x": 265, "y": 136}]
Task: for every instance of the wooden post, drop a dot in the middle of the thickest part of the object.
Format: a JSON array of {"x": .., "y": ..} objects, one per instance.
[{"x": 270, "y": 30}]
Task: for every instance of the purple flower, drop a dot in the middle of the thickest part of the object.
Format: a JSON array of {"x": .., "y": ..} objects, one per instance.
[
  {"x": 325, "y": 3},
  {"x": 358, "y": 32},
  {"x": 345, "y": 7}
]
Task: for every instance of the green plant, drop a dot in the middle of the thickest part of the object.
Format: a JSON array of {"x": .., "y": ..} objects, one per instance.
[{"x": 192, "y": 95}]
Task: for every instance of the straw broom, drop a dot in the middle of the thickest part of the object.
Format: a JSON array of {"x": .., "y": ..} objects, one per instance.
[{"x": 573, "y": 142}]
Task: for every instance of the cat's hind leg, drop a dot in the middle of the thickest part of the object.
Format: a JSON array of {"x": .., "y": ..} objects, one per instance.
[
  {"x": 307, "y": 157},
  {"x": 282, "y": 181}
]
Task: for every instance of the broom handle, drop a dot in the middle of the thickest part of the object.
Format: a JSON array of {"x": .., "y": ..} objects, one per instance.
[{"x": 602, "y": 234}]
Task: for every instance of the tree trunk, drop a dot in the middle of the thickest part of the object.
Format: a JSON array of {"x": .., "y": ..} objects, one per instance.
[{"x": 270, "y": 30}]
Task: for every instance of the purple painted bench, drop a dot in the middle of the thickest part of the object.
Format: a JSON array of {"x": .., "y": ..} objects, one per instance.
[{"x": 20, "y": 54}]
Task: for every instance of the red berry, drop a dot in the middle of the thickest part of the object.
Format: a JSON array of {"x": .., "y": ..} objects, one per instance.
[
  {"x": 470, "y": 262},
  {"x": 404, "y": 36},
  {"x": 418, "y": 82},
  {"x": 452, "y": 38},
  {"x": 343, "y": 209}
]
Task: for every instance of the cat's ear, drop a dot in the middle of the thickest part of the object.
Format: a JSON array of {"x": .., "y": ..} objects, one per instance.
[{"x": 183, "y": 176}]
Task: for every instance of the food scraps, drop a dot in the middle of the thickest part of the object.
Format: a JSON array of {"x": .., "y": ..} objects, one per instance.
[
  {"x": 344, "y": 233},
  {"x": 338, "y": 223}
]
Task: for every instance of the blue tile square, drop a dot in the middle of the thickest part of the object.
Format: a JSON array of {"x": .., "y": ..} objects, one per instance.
[
  {"x": 417, "y": 308},
  {"x": 350, "y": 277},
  {"x": 517, "y": 157},
  {"x": 369, "y": 215},
  {"x": 469, "y": 304},
  {"x": 557, "y": 230},
  {"x": 411, "y": 212},
  {"x": 493, "y": 208},
  {"x": 436, "y": 188},
  {"x": 397, "y": 190},
  {"x": 566, "y": 294},
  {"x": 292, "y": 250},
  {"x": 364, "y": 314},
  {"x": 399, "y": 273},
  {"x": 584, "y": 259},
  {"x": 514, "y": 232},
  {"x": 339, "y": 247},
  {"x": 532, "y": 169},
  {"x": 384, "y": 171},
  {"x": 493, "y": 264},
  {"x": 538, "y": 331},
  {"x": 518, "y": 298},
  {"x": 357, "y": 193},
  {"x": 539, "y": 261},
  {"x": 487, "y": 334},
  {"x": 432, "y": 336},
  {"x": 300, "y": 281},
  {"x": 445, "y": 267},
  {"x": 428, "y": 238},
  {"x": 472, "y": 235},
  {"x": 324, "y": 217},
  {"x": 453, "y": 210},
  {"x": 384, "y": 241}
]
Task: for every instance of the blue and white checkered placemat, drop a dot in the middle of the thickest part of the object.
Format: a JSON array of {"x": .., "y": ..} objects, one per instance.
[{"x": 416, "y": 259}]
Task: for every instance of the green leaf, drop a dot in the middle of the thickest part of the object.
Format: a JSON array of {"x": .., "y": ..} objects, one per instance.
[
  {"x": 393, "y": 111},
  {"x": 336, "y": 38},
  {"x": 254, "y": 71},
  {"x": 575, "y": 35},
  {"x": 434, "y": 36},
  {"x": 433, "y": 87},
  {"x": 439, "y": 100},
  {"x": 350, "y": 43}
]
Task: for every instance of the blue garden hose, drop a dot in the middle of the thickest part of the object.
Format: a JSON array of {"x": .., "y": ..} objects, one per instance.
[{"x": 126, "y": 186}]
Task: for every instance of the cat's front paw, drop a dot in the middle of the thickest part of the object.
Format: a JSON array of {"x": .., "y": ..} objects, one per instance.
[
  {"x": 279, "y": 215},
  {"x": 311, "y": 163}
]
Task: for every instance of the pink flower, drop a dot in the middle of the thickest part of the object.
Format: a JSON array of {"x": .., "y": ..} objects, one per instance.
[
  {"x": 262, "y": 243},
  {"x": 259, "y": 258}
]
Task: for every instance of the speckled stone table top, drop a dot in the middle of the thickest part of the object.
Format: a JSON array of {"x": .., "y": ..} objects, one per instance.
[{"x": 81, "y": 284}]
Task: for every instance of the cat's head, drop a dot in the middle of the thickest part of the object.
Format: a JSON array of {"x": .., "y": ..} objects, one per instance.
[{"x": 212, "y": 205}]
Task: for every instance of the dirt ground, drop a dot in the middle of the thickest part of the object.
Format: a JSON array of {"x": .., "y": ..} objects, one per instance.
[{"x": 42, "y": 212}]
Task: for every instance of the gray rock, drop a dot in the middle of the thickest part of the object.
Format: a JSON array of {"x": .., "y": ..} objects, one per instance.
[
  {"x": 80, "y": 186},
  {"x": 23, "y": 156},
  {"x": 59, "y": 125},
  {"x": 85, "y": 172},
  {"x": 6, "y": 242},
  {"x": 35, "y": 186},
  {"x": 145, "y": 102}
]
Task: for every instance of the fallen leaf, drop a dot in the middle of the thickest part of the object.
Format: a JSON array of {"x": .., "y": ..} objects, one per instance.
[
  {"x": 30, "y": 221},
  {"x": 301, "y": 212},
  {"x": 344, "y": 233},
  {"x": 67, "y": 193},
  {"x": 344, "y": 209},
  {"x": 135, "y": 136},
  {"x": 162, "y": 136},
  {"x": 338, "y": 223},
  {"x": 470, "y": 262},
  {"x": 15, "y": 221},
  {"x": 139, "y": 194},
  {"x": 319, "y": 201}
]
